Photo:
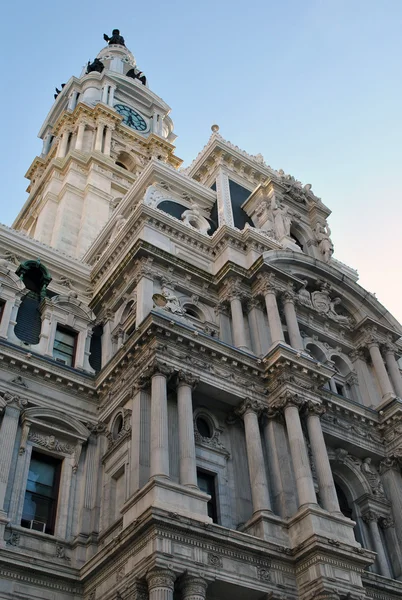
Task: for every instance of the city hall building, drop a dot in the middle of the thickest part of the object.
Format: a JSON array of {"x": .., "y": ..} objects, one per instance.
[{"x": 198, "y": 401}]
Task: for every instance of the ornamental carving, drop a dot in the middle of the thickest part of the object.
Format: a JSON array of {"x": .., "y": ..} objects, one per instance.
[
  {"x": 290, "y": 399},
  {"x": 184, "y": 377},
  {"x": 386, "y": 522},
  {"x": 160, "y": 578},
  {"x": 193, "y": 587},
  {"x": 249, "y": 405},
  {"x": 315, "y": 409},
  {"x": 215, "y": 560},
  {"x": 372, "y": 478},
  {"x": 345, "y": 425},
  {"x": 14, "y": 400},
  {"x": 263, "y": 573},
  {"x": 50, "y": 442},
  {"x": 370, "y": 516}
]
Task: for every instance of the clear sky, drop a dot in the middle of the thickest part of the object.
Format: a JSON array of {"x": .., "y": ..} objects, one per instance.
[{"x": 314, "y": 85}]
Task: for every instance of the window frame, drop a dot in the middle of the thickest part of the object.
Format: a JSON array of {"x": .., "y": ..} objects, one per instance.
[
  {"x": 69, "y": 331},
  {"x": 58, "y": 462}
]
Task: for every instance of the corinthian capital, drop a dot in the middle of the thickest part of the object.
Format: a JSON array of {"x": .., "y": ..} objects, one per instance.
[
  {"x": 267, "y": 283},
  {"x": 144, "y": 267},
  {"x": 232, "y": 289},
  {"x": 160, "y": 578},
  {"x": 249, "y": 405},
  {"x": 14, "y": 400},
  {"x": 315, "y": 409},
  {"x": 155, "y": 367},
  {"x": 186, "y": 378},
  {"x": 290, "y": 399},
  {"x": 370, "y": 515}
]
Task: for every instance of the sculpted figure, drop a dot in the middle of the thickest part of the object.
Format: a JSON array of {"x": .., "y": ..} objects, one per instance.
[
  {"x": 372, "y": 477},
  {"x": 96, "y": 66},
  {"x": 332, "y": 312},
  {"x": 304, "y": 296},
  {"x": 172, "y": 302},
  {"x": 322, "y": 235},
  {"x": 281, "y": 219},
  {"x": 115, "y": 39},
  {"x": 120, "y": 222}
]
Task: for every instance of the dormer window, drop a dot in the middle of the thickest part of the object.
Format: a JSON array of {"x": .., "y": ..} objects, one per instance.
[{"x": 65, "y": 343}]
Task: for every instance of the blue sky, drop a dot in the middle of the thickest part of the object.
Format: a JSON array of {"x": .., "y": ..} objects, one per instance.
[{"x": 314, "y": 85}]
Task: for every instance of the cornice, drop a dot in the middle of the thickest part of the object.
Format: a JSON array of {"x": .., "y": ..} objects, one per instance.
[{"x": 20, "y": 361}]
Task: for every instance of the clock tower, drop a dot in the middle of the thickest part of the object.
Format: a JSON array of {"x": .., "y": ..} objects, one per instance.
[{"x": 99, "y": 135}]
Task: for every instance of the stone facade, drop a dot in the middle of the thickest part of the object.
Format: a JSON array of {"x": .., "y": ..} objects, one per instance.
[{"x": 198, "y": 401}]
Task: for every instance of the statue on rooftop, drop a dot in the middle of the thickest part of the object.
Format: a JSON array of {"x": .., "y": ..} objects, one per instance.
[
  {"x": 96, "y": 66},
  {"x": 322, "y": 235},
  {"x": 281, "y": 219},
  {"x": 115, "y": 39}
]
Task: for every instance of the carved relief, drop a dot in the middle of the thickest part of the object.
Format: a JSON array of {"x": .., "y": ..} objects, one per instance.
[{"x": 50, "y": 442}]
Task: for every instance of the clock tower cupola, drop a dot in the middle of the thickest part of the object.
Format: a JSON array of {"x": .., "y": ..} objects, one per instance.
[{"x": 103, "y": 128}]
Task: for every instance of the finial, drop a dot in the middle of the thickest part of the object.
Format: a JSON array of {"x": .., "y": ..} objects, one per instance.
[{"x": 215, "y": 128}]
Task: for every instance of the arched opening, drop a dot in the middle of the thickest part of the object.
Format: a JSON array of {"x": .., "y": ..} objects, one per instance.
[
  {"x": 194, "y": 312},
  {"x": 338, "y": 382},
  {"x": 117, "y": 426},
  {"x": 203, "y": 427},
  {"x": 36, "y": 278},
  {"x": 95, "y": 357},
  {"x": 126, "y": 161},
  {"x": 316, "y": 352}
]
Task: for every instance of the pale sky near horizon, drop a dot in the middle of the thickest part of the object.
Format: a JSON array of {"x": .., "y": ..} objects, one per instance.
[{"x": 313, "y": 85}]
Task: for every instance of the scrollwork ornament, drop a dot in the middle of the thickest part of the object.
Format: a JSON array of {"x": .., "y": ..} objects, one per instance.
[
  {"x": 14, "y": 400},
  {"x": 291, "y": 399},
  {"x": 386, "y": 522},
  {"x": 263, "y": 573},
  {"x": 50, "y": 442}
]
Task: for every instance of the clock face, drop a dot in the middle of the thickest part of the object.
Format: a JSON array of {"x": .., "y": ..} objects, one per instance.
[{"x": 130, "y": 117}]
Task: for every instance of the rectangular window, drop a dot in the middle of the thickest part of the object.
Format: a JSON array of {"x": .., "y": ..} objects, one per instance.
[
  {"x": 206, "y": 483},
  {"x": 2, "y": 305},
  {"x": 340, "y": 389},
  {"x": 40, "y": 503},
  {"x": 64, "y": 346}
]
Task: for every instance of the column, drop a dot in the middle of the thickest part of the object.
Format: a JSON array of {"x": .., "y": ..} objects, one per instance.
[
  {"x": 61, "y": 150},
  {"x": 326, "y": 483},
  {"x": 145, "y": 290},
  {"x": 298, "y": 451},
  {"x": 369, "y": 395},
  {"x": 99, "y": 137},
  {"x": 249, "y": 410},
  {"x": 105, "y": 93},
  {"x": 387, "y": 524},
  {"x": 80, "y": 136},
  {"x": 188, "y": 469},
  {"x": 140, "y": 432},
  {"x": 291, "y": 321},
  {"x": 106, "y": 341},
  {"x": 253, "y": 307},
  {"x": 193, "y": 587},
  {"x": 222, "y": 311},
  {"x": 371, "y": 518},
  {"x": 283, "y": 484},
  {"x": 274, "y": 321},
  {"x": 8, "y": 433},
  {"x": 111, "y": 95},
  {"x": 390, "y": 471},
  {"x": 108, "y": 141},
  {"x": 160, "y": 584},
  {"x": 159, "y": 460},
  {"x": 380, "y": 370},
  {"x": 238, "y": 330},
  {"x": 393, "y": 369}
]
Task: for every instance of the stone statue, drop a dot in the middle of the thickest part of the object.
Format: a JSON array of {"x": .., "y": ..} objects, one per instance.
[
  {"x": 115, "y": 39},
  {"x": 322, "y": 235},
  {"x": 97, "y": 66},
  {"x": 281, "y": 219},
  {"x": 137, "y": 74},
  {"x": 120, "y": 222},
  {"x": 172, "y": 302},
  {"x": 303, "y": 295},
  {"x": 373, "y": 478},
  {"x": 334, "y": 315}
]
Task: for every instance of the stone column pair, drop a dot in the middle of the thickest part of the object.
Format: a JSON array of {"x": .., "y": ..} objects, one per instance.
[
  {"x": 379, "y": 368},
  {"x": 291, "y": 403},
  {"x": 8, "y": 431},
  {"x": 371, "y": 518},
  {"x": 159, "y": 446},
  {"x": 161, "y": 585}
]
